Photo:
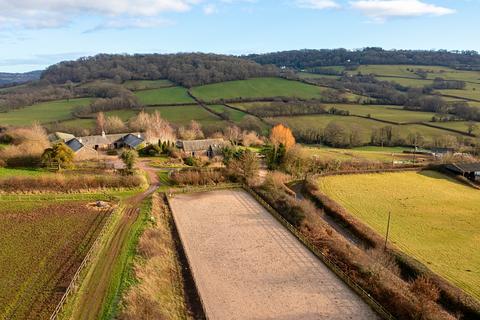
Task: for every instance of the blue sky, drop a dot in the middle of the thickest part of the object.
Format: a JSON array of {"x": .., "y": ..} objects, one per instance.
[{"x": 37, "y": 33}]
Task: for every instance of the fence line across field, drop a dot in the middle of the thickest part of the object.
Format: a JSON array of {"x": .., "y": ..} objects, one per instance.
[{"x": 73, "y": 286}]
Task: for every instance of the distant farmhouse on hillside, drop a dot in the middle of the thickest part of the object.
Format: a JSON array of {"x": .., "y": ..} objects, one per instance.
[{"x": 206, "y": 147}]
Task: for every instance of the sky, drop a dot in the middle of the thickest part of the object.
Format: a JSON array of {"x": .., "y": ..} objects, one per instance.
[{"x": 37, "y": 33}]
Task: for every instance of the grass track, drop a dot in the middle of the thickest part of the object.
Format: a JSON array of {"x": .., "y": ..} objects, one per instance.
[{"x": 434, "y": 218}]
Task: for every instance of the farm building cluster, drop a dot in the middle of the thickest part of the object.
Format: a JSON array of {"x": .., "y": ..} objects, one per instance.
[{"x": 89, "y": 146}]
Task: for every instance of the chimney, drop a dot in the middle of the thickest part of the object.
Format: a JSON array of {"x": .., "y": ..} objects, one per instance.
[
  {"x": 103, "y": 134},
  {"x": 80, "y": 140}
]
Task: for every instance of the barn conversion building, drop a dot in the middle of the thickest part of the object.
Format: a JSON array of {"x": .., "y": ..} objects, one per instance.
[
  {"x": 470, "y": 171},
  {"x": 206, "y": 147}
]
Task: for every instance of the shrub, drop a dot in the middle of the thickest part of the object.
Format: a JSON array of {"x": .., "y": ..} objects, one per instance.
[
  {"x": 67, "y": 183},
  {"x": 198, "y": 177}
]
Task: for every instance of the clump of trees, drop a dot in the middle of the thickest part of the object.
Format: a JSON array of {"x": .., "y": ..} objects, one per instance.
[
  {"x": 187, "y": 69},
  {"x": 59, "y": 155},
  {"x": 26, "y": 146},
  {"x": 281, "y": 141},
  {"x": 129, "y": 158}
]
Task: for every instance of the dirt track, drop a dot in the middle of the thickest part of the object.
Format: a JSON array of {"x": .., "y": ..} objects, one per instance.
[{"x": 248, "y": 266}]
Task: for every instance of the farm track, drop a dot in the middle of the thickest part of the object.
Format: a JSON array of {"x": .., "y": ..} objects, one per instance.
[{"x": 90, "y": 305}]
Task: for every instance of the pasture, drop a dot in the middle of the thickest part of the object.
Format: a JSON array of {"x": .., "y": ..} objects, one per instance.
[
  {"x": 257, "y": 88},
  {"x": 42, "y": 243},
  {"x": 459, "y": 125},
  {"x": 164, "y": 96},
  {"x": 136, "y": 85},
  {"x": 182, "y": 115},
  {"x": 389, "y": 113},
  {"x": 44, "y": 112},
  {"x": 363, "y": 126},
  {"x": 471, "y": 91},
  {"x": 434, "y": 218},
  {"x": 232, "y": 114},
  {"x": 361, "y": 154}
]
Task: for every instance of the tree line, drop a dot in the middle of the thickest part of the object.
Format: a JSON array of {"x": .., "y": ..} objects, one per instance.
[
  {"x": 303, "y": 59},
  {"x": 187, "y": 69}
]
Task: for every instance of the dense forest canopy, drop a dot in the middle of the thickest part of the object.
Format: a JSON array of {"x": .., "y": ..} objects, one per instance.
[
  {"x": 187, "y": 69},
  {"x": 303, "y": 59}
]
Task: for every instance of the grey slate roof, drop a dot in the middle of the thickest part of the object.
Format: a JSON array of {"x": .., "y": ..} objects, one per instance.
[
  {"x": 131, "y": 140},
  {"x": 201, "y": 145},
  {"x": 104, "y": 140},
  {"x": 464, "y": 167},
  {"x": 74, "y": 144}
]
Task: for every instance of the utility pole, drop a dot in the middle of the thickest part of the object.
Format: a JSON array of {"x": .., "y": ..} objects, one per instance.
[{"x": 388, "y": 231}]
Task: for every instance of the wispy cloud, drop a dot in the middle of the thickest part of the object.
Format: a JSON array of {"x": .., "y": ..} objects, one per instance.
[
  {"x": 318, "y": 4},
  {"x": 381, "y": 10},
  {"x": 56, "y": 13},
  {"x": 210, "y": 8}
]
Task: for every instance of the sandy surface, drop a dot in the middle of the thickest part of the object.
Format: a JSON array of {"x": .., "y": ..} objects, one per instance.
[{"x": 248, "y": 266}]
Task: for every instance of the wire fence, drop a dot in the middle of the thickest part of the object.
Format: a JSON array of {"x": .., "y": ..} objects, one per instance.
[
  {"x": 86, "y": 262},
  {"x": 327, "y": 261}
]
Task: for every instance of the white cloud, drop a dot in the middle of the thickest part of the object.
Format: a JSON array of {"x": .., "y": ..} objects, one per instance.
[
  {"x": 210, "y": 9},
  {"x": 317, "y": 4},
  {"x": 381, "y": 10},
  {"x": 55, "y": 13}
]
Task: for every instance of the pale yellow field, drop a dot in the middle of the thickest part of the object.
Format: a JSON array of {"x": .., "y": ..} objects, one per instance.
[{"x": 434, "y": 218}]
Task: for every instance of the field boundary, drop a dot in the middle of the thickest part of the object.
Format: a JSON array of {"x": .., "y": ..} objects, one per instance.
[
  {"x": 452, "y": 297},
  {"x": 86, "y": 263},
  {"x": 329, "y": 263}
]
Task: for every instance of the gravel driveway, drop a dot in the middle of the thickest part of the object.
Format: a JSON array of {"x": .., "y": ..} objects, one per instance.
[{"x": 248, "y": 266}]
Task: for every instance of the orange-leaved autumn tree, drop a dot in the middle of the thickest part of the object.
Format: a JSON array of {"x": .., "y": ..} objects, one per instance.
[{"x": 282, "y": 135}]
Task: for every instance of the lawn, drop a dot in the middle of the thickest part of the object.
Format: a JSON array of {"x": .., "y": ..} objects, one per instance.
[
  {"x": 29, "y": 172},
  {"x": 234, "y": 115},
  {"x": 42, "y": 244},
  {"x": 257, "y": 88},
  {"x": 136, "y": 85},
  {"x": 43, "y": 112},
  {"x": 173, "y": 95},
  {"x": 434, "y": 218},
  {"x": 389, "y": 113}
]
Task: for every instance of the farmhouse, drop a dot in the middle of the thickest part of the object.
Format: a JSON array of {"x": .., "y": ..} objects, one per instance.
[
  {"x": 470, "y": 171},
  {"x": 206, "y": 147},
  {"x": 112, "y": 141},
  {"x": 80, "y": 150}
]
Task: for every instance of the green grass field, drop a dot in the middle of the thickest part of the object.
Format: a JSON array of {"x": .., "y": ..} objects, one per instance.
[
  {"x": 162, "y": 96},
  {"x": 43, "y": 112},
  {"x": 458, "y": 125},
  {"x": 306, "y": 75},
  {"x": 389, "y": 113},
  {"x": 136, "y": 85},
  {"x": 42, "y": 243},
  {"x": 233, "y": 114},
  {"x": 364, "y": 126},
  {"x": 471, "y": 91},
  {"x": 182, "y": 115},
  {"x": 28, "y": 172},
  {"x": 370, "y": 153},
  {"x": 257, "y": 88},
  {"x": 407, "y": 82},
  {"x": 434, "y": 218}
]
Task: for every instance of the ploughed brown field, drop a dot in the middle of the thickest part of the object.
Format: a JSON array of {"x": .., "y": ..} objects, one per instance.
[{"x": 41, "y": 246}]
